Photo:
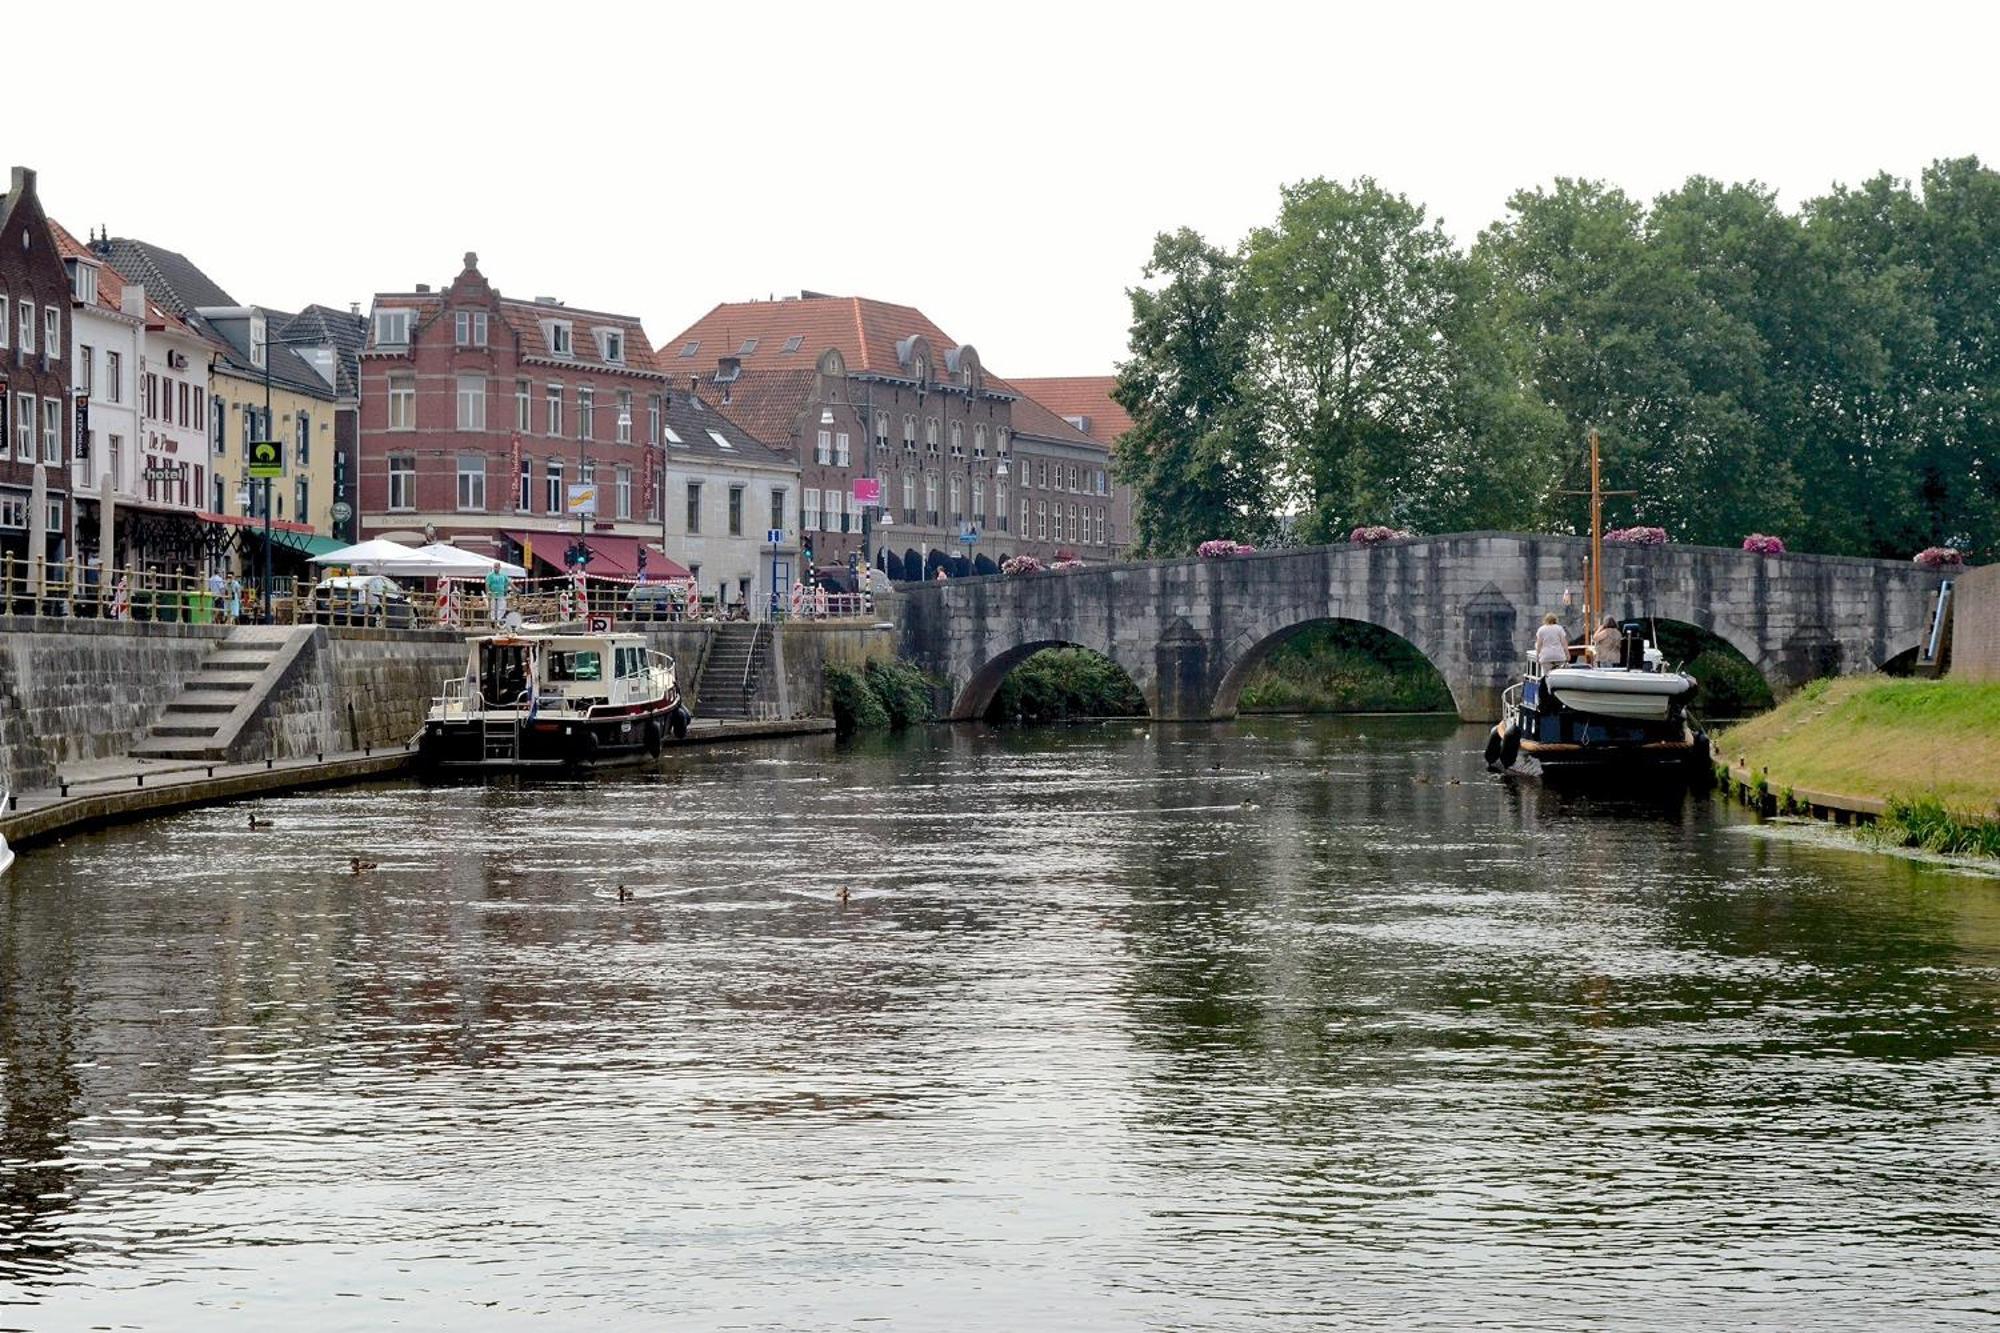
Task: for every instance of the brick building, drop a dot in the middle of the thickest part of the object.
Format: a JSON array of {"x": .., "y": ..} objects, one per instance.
[
  {"x": 1085, "y": 404},
  {"x": 34, "y": 380},
  {"x": 479, "y": 412},
  {"x": 865, "y": 391}
]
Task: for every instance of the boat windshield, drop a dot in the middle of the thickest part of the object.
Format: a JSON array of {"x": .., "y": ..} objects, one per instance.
[{"x": 582, "y": 664}]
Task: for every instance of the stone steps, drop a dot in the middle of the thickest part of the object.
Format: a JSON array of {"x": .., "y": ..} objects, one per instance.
[
  {"x": 736, "y": 654},
  {"x": 227, "y": 690}
]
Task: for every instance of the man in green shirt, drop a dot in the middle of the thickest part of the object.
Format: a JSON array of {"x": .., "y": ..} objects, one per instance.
[{"x": 496, "y": 595}]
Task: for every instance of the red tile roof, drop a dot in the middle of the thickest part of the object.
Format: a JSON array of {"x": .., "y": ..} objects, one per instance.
[
  {"x": 1087, "y": 396},
  {"x": 111, "y": 283},
  {"x": 866, "y": 332},
  {"x": 774, "y": 384}
]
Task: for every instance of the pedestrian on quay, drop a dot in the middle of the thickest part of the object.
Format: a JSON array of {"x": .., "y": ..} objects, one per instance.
[
  {"x": 496, "y": 595},
  {"x": 233, "y": 591},
  {"x": 216, "y": 605}
]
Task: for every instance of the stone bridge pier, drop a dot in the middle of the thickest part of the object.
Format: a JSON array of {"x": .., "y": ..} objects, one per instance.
[{"x": 1189, "y": 632}]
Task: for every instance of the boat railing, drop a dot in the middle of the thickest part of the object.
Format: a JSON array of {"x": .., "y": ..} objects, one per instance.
[{"x": 456, "y": 698}]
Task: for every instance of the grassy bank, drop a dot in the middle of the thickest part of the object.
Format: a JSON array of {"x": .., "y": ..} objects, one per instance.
[
  {"x": 1344, "y": 668},
  {"x": 1918, "y": 744}
]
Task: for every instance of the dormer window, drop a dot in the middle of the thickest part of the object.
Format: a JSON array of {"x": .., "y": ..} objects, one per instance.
[
  {"x": 469, "y": 328},
  {"x": 392, "y": 328},
  {"x": 557, "y": 332},
  {"x": 259, "y": 341},
  {"x": 611, "y": 344},
  {"x": 83, "y": 281},
  {"x": 689, "y": 349}
]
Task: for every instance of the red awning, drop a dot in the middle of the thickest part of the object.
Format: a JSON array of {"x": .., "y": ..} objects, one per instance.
[{"x": 610, "y": 557}]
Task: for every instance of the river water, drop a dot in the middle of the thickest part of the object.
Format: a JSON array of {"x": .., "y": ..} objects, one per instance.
[{"x": 1283, "y": 1024}]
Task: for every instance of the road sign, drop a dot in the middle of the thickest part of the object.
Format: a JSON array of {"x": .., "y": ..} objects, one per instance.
[
  {"x": 970, "y": 536},
  {"x": 582, "y": 499},
  {"x": 342, "y": 511},
  {"x": 597, "y": 624},
  {"x": 774, "y": 536},
  {"x": 267, "y": 460}
]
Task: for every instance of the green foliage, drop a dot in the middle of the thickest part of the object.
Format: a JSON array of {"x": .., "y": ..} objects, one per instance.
[
  {"x": 1059, "y": 683},
  {"x": 1344, "y": 667},
  {"x": 903, "y": 692},
  {"x": 1830, "y": 375},
  {"x": 1924, "y": 821},
  {"x": 1195, "y": 456},
  {"x": 855, "y": 706}
]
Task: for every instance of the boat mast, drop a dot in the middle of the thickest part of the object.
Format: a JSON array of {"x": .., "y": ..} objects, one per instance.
[{"x": 1593, "y": 594}]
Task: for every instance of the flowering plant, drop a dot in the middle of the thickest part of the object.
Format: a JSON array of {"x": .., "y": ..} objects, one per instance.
[
  {"x": 1071, "y": 563},
  {"x": 1939, "y": 557},
  {"x": 1221, "y": 548},
  {"x": 1638, "y": 536},
  {"x": 1375, "y": 534},
  {"x": 1763, "y": 544},
  {"x": 1020, "y": 564}
]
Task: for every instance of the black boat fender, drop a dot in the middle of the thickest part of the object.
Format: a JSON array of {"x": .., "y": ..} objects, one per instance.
[
  {"x": 1493, "y": 746},
  {"x": 679, "y": 720},
  {"x": 653, "y": 737}
]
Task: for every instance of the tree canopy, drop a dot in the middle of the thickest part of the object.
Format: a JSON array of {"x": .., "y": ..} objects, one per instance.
[{"x": 1831, "y": 374}]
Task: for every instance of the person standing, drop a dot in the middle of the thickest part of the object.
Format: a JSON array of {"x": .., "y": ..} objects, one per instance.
[
  {"x": 217, "y": 607},
  {"x": 233, "y": 591},
  {"x": 496, "y": 595},
  {"x": 1551, "y": 644},
  {"x": 1607, "y": 645}
]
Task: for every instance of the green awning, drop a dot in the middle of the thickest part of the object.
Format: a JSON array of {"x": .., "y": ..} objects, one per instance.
[{"x": 310, "y": 543}]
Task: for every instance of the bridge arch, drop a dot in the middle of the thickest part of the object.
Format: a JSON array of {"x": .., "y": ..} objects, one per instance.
[
  {"x": 976, "y": 695},
  {"x": 1250, "y": 648}
]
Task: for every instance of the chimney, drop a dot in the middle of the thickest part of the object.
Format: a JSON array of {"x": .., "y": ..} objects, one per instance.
[
  {"x": 423, "y": 288},
  {"x": 354, "y": 307},
  {"x": 133, "y": 301},
  {"x": 23, "y": 180}
]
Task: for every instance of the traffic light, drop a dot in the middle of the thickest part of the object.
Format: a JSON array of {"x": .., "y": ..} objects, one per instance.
[{"x": 806, "y": 553}]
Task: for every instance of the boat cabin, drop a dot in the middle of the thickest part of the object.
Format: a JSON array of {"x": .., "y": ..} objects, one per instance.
[{"x": 559, "y": 673}]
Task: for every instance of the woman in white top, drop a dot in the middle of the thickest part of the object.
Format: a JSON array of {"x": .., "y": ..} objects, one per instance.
[{"x": 1551, "y": 644}]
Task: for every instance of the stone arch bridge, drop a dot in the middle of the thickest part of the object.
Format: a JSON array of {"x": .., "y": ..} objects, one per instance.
[{"x": 1189, "y": 631}]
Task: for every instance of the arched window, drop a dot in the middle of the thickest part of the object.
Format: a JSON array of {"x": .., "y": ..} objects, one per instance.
[
  {"x": 931, "y": 434},
  {"x": 910, "y": 431},
  {"x": 957, "y": 439},
  {"x": 979, "y": 442}
]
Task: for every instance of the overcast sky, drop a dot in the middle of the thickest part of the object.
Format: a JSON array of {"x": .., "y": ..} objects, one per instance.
[{"x": 1003, "y": 166}]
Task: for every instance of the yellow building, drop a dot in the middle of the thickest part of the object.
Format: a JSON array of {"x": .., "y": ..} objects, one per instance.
[{"x": 301, "y": 405}]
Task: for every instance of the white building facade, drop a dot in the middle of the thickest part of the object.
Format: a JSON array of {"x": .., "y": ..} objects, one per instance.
[{"x": 723, "y": 493}]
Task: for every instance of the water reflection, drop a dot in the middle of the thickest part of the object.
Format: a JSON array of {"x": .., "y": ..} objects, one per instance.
[{"x": 1288, "y": 1023}]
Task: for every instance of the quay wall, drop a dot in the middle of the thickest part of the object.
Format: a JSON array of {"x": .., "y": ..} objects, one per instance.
[
  {"x": 73, "y": 691},
  {"x": 1975, "y": 625},
  {"x": 77, "y": 690}
]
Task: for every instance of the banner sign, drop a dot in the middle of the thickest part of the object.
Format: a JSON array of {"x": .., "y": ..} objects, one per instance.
[
  {"x": 867, "y": 492},
  {"x": 582, "y": 499}
]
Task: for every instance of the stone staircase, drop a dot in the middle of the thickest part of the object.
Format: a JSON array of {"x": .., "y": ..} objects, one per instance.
[
  {"x": 733, "y": 673},
  {"x": 208, "y": 717}
]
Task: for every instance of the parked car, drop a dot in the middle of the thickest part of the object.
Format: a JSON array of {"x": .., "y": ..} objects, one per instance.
[
  {"x": 362, "y": 599},
  {"x": 653, "y": 601}
]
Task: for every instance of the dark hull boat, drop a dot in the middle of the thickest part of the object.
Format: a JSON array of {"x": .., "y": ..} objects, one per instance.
[
  {"x": 554, "y": 701},
  {"x": 1604, "y": 720}
]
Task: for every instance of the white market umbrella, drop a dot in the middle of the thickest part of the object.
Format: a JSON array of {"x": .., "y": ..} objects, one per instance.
[
  {"x": 443, "y": 560},
  {"x": 371, "y": 555}
]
